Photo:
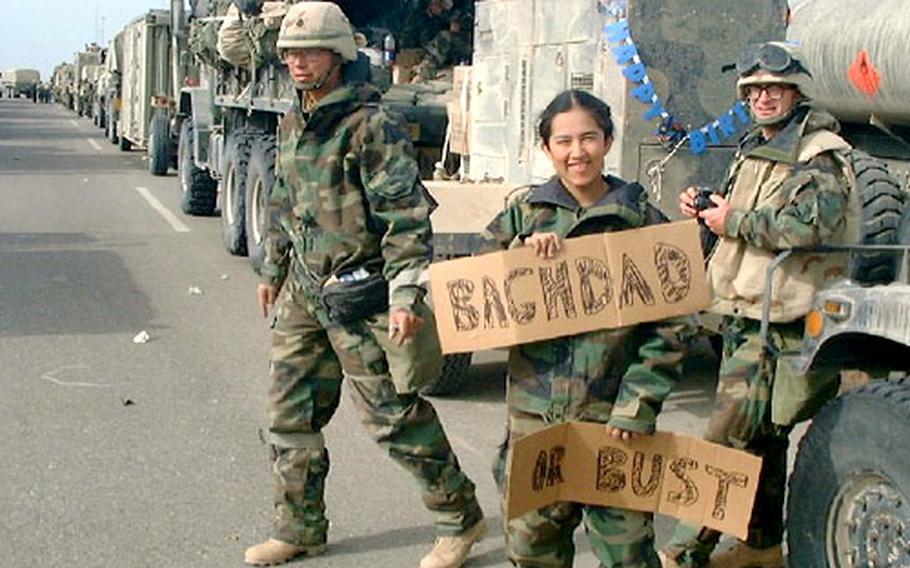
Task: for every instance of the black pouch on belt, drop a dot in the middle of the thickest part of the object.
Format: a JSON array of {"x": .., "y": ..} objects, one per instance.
[{"x": 346, "y": 300}]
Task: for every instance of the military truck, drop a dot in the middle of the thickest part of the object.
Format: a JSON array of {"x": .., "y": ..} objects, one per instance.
[
  {"x": 108, "y": 92},
  {"x": 62, "y": 85},
  {"x": 230, "y": 109},
  {"x": 525, "y": 52},
  {"x": 16, "y": 83},
  {"x": 147, "y": 86},
  {"x": 849, "y": 499},
  {"x": 84, "y": 64}
]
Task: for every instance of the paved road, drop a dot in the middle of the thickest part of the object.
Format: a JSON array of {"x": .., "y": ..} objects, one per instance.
[{"x": 116, "y": 454}]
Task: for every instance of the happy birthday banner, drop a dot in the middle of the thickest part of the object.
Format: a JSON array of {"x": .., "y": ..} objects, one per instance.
[{"x": 721, "y": 128}]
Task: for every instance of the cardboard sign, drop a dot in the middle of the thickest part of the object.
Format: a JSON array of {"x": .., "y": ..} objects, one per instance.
[
  {"x": 599, "y": 281},
  {"x": 690, "y": 479}
]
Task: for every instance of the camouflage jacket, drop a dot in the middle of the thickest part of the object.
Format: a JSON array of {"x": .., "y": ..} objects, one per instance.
[
  {"x": 347, "y": 195},
  {"x": 620, "y": 376},
  {"x": 793, "y": 191}
]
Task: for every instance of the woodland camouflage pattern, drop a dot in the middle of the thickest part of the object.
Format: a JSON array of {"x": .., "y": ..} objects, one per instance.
[
  {"x": 347, "y": 196},
  {"x": 618, "y": 376},
  {"x": 811, "y": 209}
]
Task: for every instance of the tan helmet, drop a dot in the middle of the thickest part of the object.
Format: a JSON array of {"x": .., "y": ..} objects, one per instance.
[
  {"x": 317, "y": 25},
  {"x": 773, "y": 62}
]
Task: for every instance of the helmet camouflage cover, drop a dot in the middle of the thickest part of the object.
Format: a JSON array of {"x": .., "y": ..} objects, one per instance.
[
  {"x": 773, "y": 62},
  {"x": 317, "y": 25}
]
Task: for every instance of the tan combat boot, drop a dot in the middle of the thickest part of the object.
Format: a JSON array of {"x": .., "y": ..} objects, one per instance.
[
  {"x": 666, "y": 561},
  {"x": 451, "y": 551},
  {"x": 744, "y": 556},
  {"x": 272, "y": 552}
]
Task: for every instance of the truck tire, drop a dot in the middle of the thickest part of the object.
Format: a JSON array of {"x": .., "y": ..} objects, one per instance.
[
  {"x": 232, "y": 190},
  {"x": 881, "y": 202},
  {"x": 110, "y": 131},
  {"x": 259, "y": 182},
  {"x": 200, "y": 191},
  {"x": 849, "y": 501},
  {"x": 903, "y": 232},
  {"x": 159, "y": 134},
  {"x": 454, "y": 373}
]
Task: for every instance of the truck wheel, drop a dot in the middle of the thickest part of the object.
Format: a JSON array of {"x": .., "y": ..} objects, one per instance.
[
  {"x": 159, "y": 133},
  {"x": 881, "y": 202},
  {"x": 232, "y": 190},
  {"x": 454, "y": 373},
  {"x": 849, "y": 501},
  {"x": 199, "y": 189},
  {"x": 259, "y": 182}
]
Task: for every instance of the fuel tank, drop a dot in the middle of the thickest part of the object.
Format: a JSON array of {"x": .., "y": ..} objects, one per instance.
[{"x": 857, "y": 53}]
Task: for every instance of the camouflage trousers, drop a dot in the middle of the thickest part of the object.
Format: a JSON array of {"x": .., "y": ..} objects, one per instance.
[
  {"x": 742, "y": 419},
  {"x": 619, "y": 538},
  {"x": 309, "y": 360}
]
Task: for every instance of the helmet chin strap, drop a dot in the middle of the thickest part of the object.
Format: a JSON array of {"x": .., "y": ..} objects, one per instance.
[{"x": 320, "y": 81}]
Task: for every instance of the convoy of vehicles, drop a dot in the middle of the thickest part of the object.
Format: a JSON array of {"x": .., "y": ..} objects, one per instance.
[
  {"x": 16, "y": 83},
  {"x": 168, "y": 90}
]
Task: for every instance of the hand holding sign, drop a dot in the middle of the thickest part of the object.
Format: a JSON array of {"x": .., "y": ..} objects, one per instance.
[
  {"x": 693, "y": 480},
  {"x": 595, "y": 282}
]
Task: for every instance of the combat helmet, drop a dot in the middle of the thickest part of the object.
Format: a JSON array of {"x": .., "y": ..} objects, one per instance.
[
  {"x": 317, "y": 25},
  {"x": 770, "y": 63}
]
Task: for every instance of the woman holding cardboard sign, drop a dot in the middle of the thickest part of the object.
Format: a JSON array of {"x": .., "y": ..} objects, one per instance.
[{"x": 618, "y": 377}]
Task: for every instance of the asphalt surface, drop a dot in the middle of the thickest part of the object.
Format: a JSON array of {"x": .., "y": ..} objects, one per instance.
[{"x": 118, "y": 454}]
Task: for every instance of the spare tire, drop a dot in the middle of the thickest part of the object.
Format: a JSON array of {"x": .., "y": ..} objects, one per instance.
[
  {"x": 200, "y": 191},
  {"x": 159, "y": 136},
  {"x": 881, "y": 202},
  {"x": 849, "y": 500},
  {"x": 903, "y": 232}
]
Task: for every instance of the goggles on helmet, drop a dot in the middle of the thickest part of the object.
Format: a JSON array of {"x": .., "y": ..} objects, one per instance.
[{"x": 769, "y": 57}]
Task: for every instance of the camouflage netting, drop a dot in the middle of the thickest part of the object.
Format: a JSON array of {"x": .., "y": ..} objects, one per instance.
[
  {"x": 250, "y": 40},
  {"x": 203, "y": 37}
]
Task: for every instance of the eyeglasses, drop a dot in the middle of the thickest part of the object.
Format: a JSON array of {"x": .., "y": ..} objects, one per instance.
[
  {"x": 775, "y": 92},
  {"x": 309, "y": 54},
  {"x": 770, "y": 57}
]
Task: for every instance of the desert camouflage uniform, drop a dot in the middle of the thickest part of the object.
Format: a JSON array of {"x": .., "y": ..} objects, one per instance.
[
  {"x": 347, "y": 195},
  {"x": 811, "y": 209},
  {"x": 619, "y": 377}
]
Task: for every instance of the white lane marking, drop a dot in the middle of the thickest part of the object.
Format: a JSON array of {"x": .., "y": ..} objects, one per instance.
[
  {"x": 93, "y": 144},
  {"x": 52, "y": 377},
  {"x": 74, "y": 123},
  {"x": 164, "y": 211}
]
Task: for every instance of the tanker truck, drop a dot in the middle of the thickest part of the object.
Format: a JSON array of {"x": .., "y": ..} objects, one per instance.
[
  {"x": 20, "y": 82},
  {"x": 849, "y": 492}
]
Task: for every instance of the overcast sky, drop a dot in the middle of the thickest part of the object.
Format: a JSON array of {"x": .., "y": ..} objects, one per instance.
[{"x": 40, "y": 34}]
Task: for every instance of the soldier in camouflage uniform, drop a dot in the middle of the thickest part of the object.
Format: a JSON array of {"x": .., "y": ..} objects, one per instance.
[
  {"x": 442, "y": 32},
  {"x": 788, "y": 186},
  {"x": 618, "y": 377},
  {"x": 348, "y": 212}
]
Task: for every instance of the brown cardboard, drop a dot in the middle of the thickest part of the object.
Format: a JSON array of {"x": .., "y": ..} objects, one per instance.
[
  {"x": 459, "y": 110},
  {"x": 459, "y": 124},
  {"x": 596, "y": 282},
  {"x": 699, "y": 482}
]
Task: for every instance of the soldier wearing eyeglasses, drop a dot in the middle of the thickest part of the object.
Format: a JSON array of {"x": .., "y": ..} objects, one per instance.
[{"x": 788, "y": 187}]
